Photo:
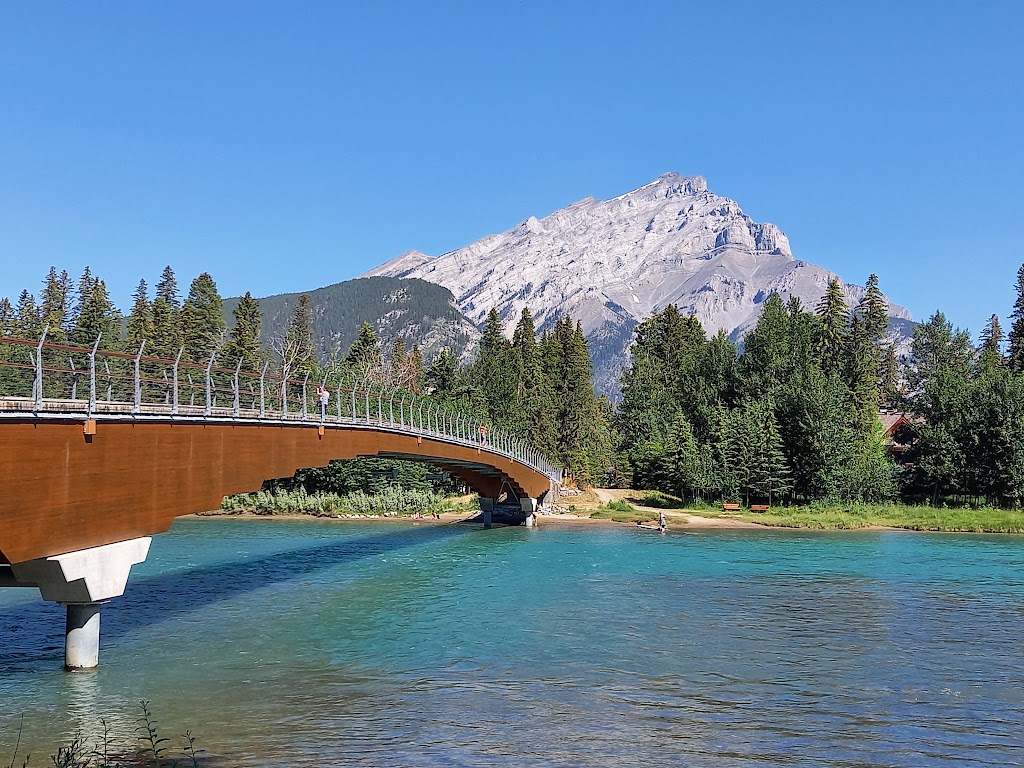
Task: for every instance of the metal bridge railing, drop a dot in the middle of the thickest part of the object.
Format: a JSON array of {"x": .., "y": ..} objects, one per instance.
[{"x": 50, "y": 378}]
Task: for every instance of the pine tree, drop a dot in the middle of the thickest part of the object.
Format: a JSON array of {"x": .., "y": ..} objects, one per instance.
[
  {"x": 244, "y": 338},
  {"x": 54, "y": 308},
  {"x": 7, "y": 317},
  {"x": 98, "y": 318},
  {"x": 832, "y": 313},
  {"x": 492, "y": 374},
  {"x": 167, "y": 340},
  {"x": 81, "y": 297},
  {"x": 139, "y": 326},
  {"x": 202, "y": 319},
  {"x": 992, "y": 337},
  {"x": 296, "y": 352},
  {"x": 27, "y": 324},
  {"x": 364, "y": 356},
  {"x": 1016, "y": 336},
  {"x": 861, "y": 375},
  {"x": 167, "y": 288},
  {"x": 874, "y": 310},
  {"x": 443, "y": 376}
]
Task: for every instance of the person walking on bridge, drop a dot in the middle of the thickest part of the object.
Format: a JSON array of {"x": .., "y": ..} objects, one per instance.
[{"x": 325, "y": 397}]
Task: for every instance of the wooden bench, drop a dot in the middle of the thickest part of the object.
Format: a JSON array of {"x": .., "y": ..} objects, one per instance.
[
  {"x": 730, "y": 507},
  {"x": 758, "y": 507}
]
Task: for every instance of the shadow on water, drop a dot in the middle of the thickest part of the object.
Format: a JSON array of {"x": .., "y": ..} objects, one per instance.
[{"x": 32, "y": 631}]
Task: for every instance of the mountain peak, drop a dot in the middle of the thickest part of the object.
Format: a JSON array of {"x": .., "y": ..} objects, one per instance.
[{"x": 611, "y": 263}]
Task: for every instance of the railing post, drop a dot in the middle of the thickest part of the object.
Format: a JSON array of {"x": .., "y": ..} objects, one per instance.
[
  {"x": 38, "y": 383},
  {"x": 138, "y": 379},
  {"x": 284, "y": 397},
  {"x": 366, "y": 395},
  {"x": 209, "y": 385},
  {"x": 421, "y": 415},
  {"x": 304, "y": 382},
  {"x": 263, "y": 401},
  {"x": 401, "y": 412},
  {"x": 380, "y": 405},
  {"x": 74, "y": 378},
  {"x": 177, "y": 362},
  {"x": 238, "y": 368},
  {"x": 355, "y": 386},
  {"x": 391, "y": 407},
  {"x": 92, "y": 376}
]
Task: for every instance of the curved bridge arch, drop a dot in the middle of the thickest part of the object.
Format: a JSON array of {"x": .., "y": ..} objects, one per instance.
[
  {"x": 98, "y": 447},
  {"x": 66, "y": 490}
]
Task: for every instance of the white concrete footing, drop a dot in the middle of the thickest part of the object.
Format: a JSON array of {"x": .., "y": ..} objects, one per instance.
[
  {"x": 82, "y": 580},
  {"x": 487, "y": 508},
  {"x": 82, "y": 636},
  {"x": 529, "y": 507}
]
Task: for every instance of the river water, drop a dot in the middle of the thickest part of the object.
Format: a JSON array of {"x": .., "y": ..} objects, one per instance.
[{"x": 302, "y": 643}]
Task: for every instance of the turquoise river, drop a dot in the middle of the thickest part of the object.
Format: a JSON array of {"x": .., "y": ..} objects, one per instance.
[{"x": 308, "y": 643}]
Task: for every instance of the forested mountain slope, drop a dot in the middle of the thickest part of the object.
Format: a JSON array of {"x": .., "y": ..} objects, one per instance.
[{"x": 414, "y": 310}]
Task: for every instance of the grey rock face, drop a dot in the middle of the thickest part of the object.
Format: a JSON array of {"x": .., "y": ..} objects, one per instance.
[{"x": 611, "y": 263}]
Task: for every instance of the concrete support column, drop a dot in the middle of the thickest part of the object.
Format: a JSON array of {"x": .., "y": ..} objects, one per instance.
[
  {"x": 487, "y": 508},
  {"x": 82, "y": 636},
  {"x": 529, "y": 507},
  {"x": 82, "y": 580}
]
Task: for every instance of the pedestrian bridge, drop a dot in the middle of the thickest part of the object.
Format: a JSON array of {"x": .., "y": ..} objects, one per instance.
[{"x": 101, "y": 449}]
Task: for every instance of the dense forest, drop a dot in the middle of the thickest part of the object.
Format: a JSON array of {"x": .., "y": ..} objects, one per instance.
[{"x": 790, "y": 416}]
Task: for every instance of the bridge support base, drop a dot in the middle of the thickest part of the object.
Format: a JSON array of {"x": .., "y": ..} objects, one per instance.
[
  {"x": 487, "y": 508},
  {"x": 82, "y": 580},
  {"x": 529, "y": 507},
  {"x": 82, "y": 636}
]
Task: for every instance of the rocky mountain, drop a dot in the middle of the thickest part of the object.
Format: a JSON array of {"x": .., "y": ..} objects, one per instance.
[
  {"x": 416, "y": 311},
  {"x": 611, "y": 263}
]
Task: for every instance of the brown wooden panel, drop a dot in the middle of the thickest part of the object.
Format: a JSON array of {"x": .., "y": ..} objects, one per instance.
[{"x": 62, "y": 490}]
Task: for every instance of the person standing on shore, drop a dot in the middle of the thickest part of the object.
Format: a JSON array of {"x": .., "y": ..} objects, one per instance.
[{"x": 662, "y": 522}]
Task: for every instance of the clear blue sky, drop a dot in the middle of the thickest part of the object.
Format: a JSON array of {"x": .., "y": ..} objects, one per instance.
[{"x": 284, "y": 146}]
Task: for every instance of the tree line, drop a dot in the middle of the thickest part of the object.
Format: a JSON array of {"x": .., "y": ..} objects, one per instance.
[
  {"x": 794, "y": 415},
  {"x": 791, "y": 415}
]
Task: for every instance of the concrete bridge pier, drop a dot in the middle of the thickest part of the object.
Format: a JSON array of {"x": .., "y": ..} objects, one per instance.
[
  {"x": 487, "y": 508},
  {"x": 82, "y": 581},
  {"x": 529, "y": 507}
]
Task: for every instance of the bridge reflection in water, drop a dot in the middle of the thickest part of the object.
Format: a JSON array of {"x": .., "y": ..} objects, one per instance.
[{"x": 99, "y": 450}]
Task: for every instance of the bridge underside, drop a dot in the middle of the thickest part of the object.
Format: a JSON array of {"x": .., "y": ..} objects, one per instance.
[{"x": 64, "y": 490}]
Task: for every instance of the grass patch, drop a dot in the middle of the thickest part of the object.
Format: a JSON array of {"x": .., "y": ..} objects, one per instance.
[
  {"x": 821, "y": 516},
  {"x": 623, "y": 512}
]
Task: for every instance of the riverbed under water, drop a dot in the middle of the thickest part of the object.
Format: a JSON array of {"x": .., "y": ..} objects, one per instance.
[{"x": 305, "y": 643}]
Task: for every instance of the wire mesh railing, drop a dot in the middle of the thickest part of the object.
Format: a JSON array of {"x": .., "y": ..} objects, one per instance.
[{"x": 47, "y": 378}]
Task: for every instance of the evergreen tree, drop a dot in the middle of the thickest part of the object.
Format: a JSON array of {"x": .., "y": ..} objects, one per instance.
[
  {"x": 139, "y": 325},
  {"x": 8, "y": 317},
  {"x": 295, "y": 351},
  {"x": 202, "y": 319},
  {"x": 492, "y": 374},
  {"x": 874, "y": 311},
  {"x": 54, "y": 308},
  {"x": 98, "y": 317},
  {"x": 167, "y": 339},
  {"x": 27, "y": 324},
  {"x": 244, "y": 338},
  {"x": 992, "y": 339},
  {"x": 167, "y": 288},
  {"x": 364, "y": 356},
  {"x": 832, "y": 313},
  {"x": 443, "y": 379},
  {"x": 82, "y": 293},
  {"x": 1016, "y": 336},
  {"x": 862, "y": 366}
]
